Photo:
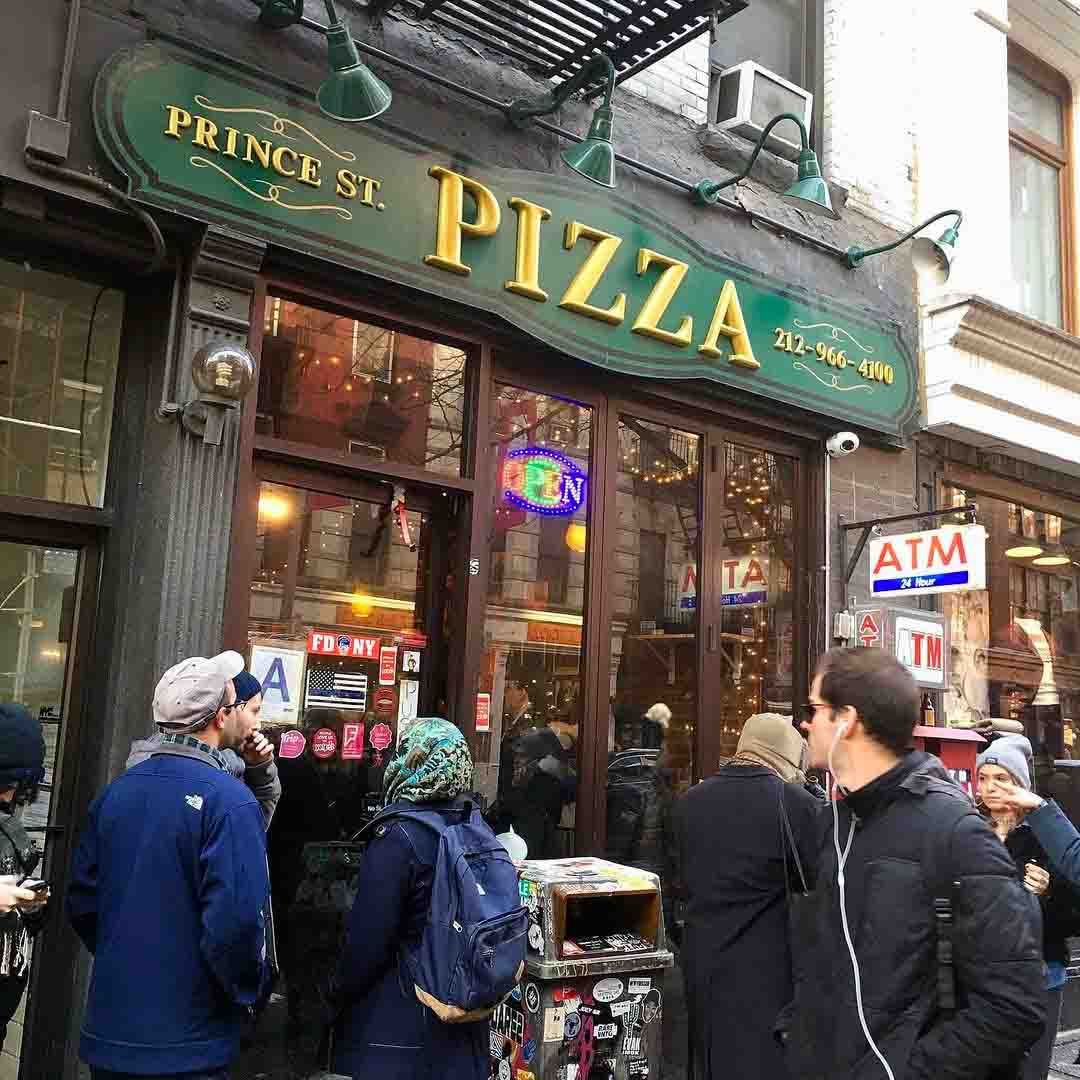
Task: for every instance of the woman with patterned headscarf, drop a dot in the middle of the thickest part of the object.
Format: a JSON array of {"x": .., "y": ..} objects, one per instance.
[{"x": 384, "y": 1031}]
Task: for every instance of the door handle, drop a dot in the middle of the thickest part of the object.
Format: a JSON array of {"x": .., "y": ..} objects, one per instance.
[{"x": 710, "y": 638}]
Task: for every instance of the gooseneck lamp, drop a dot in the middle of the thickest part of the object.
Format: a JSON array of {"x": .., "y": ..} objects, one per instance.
[
  {"x": 932, "y": 259},
  {"x": 352, "y": 92},
  {"x": 594, "y": 156},
  {"x": 809, "y": 192}
]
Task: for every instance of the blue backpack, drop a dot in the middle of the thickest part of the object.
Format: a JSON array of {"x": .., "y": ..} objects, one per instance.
[{"x": 472, "y": 951}]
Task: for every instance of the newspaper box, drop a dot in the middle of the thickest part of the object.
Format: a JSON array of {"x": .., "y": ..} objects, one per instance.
[{"x": 590, "y": 1005}]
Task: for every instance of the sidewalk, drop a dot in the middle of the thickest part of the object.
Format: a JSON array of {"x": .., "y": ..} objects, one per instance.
[{"x": 1065, "y": 1051}]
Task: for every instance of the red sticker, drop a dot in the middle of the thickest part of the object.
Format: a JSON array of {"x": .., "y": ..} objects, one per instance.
[
  {"x": 325, "y": 643},
  {"x": 385, "y": 701},
  {"x": 324, "y": 743},
  {"x": 388, "y": 665},
  {"x": 381, "y": 736},
  {"x": 292, "y": 745},
  {"x": 352, "y": 741},
  {"x": 483, "y": 712}
]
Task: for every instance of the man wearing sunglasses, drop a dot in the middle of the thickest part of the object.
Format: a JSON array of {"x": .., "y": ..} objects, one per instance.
[
  {"x": 169, "y": 888},
  {"x": 909, "y": 867}
]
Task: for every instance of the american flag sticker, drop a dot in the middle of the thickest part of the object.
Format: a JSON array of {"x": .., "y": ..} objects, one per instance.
[{"x": 336, "y": 689}]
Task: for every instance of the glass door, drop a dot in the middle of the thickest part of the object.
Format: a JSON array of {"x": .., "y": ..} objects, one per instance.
[
  {"x": 347, "y": 635},
  {"x": 46, "y": 594}
]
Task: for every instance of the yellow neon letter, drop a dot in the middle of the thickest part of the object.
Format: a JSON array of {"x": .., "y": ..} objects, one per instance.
[
  {"x": 576, "y": 297},
  {"x": 451, "y": 223},
  {"x": 652, "y": 311},
  {"x": 526, "y": 279},
  {"x": 728, "y": 320}
]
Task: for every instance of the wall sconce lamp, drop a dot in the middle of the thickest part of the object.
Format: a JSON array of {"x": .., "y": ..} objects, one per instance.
[
  {"x": 809, "y": 192},
  {"x": 352, "y": 92},
  {"x": 594, "y": 156},
  {"x": 222, "y": 373},
  {"x": 932, "y": 259}
]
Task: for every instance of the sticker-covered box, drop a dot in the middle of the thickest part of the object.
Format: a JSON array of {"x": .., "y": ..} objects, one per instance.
[{"x": 591, "y": 1002}]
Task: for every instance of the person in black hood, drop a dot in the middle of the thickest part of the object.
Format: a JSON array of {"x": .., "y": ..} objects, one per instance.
[
  {"x": 22, "y": 768},
  {"x": 907, "y": 858}
]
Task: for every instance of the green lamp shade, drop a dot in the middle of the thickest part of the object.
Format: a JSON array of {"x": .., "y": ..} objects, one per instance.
[
  {"x": 810, "y": 192},
  {"x": 352, "y": 92},
  {"x": 594, "y": 158},
  {"x": 933, "y": 259}
]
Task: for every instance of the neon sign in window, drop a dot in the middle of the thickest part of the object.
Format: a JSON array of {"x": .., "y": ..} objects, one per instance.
[{"x": 543, "y": 481}]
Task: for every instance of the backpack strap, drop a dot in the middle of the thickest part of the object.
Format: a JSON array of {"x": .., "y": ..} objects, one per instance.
[{"x": 942, "y": 890}]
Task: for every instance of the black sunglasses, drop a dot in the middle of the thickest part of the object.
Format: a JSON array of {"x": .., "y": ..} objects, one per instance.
[{"x": 810, "y": 708}]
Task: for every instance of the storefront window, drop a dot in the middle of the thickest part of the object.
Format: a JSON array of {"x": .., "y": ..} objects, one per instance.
[
  {"x": 758, "y": 568},
  {"x": 37, "y": 587},
  {"x": 654, "y": 631},
  {"x": 59, "y": 351},
  {"x": 360, "y": 389},
  {"x": 534, "y": 624},
  {"x": 347, "y": 637},
  {"x": 1016, "y": 645}
]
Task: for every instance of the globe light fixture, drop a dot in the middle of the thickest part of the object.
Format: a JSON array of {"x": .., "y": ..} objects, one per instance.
[{"x": 222, "y": 373}]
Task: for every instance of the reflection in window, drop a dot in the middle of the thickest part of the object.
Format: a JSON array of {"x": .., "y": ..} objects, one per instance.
[
  {"x": 1016, "y": 644},
  {"x": 352, "y": 386},
  {"x": 757, "y": 573},
  {"x": 535, "y": 616},
  {"x": 59, "y": 351},
  {"x": 329, "y": 560}
]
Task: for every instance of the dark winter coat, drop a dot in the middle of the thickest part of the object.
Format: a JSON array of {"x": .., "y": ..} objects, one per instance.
[
  {"x": 1059, "y": 903},
  {"x": 915, "y": 833},
  {"x": 384, "y": 1031},
  {"x": 736, "y": 953},
  {"x": 18, "y": 856},
  {"x": 168, "y": 891}
]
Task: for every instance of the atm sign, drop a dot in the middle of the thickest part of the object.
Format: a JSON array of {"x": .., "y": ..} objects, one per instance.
[
  {"x": 920, "y": 647},
  {"x": 935, "y": 561}
]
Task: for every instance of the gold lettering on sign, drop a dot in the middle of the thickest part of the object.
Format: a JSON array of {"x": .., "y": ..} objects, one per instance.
[
  {"x": 260, "y": 148},
  {"x": 576, "y": 297},
  {"x": 231, "y": 137},
  {"x": 526, "y": 279},
  {"x": 309, "y": 171},
  {"x": 451, "y": 225},
  {"x": 178, "y": 119},
  {"x": 277, "y": 159},
  {"x": 205, "y": 130},
  {"x": 728, "y": 320},
  {"x": 654, "y": 308}
]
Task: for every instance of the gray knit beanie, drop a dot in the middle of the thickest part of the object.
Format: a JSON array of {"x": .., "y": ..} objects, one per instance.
[{"x": 1012, "y": 752}]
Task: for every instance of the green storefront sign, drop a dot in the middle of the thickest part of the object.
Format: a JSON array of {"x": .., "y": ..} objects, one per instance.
[{"x": 582, "y": 269}]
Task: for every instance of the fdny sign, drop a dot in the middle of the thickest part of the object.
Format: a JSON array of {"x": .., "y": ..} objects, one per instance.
[
  {"x": 328, "y": 643},
  {"x": 950, "y": 559}
]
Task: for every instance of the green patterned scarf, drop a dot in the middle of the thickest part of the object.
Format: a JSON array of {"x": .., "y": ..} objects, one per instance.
[{"x": 433, "y": 764}]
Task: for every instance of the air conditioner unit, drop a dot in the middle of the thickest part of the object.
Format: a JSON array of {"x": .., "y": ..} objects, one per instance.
[{"x": 747, "y": 96}]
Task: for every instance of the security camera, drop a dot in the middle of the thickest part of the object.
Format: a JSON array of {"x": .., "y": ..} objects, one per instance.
[{"x": 842, "y": 443}]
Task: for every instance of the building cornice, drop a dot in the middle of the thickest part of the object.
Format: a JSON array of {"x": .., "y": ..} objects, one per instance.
[{"x": 984, "y": 328}]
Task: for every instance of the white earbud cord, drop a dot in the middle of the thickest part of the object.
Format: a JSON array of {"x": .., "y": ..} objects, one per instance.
[{"x": 841, "y": 862}]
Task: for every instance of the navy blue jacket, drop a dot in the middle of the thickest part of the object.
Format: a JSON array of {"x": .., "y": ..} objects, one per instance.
[
  {"x": 168, "y": 888},
  {"x": 1058, "y": 837},
  {"x": 384, "y": 1031}
]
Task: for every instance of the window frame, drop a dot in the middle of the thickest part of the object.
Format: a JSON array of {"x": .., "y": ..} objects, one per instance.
[{"x": 1058, "y": 157}]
